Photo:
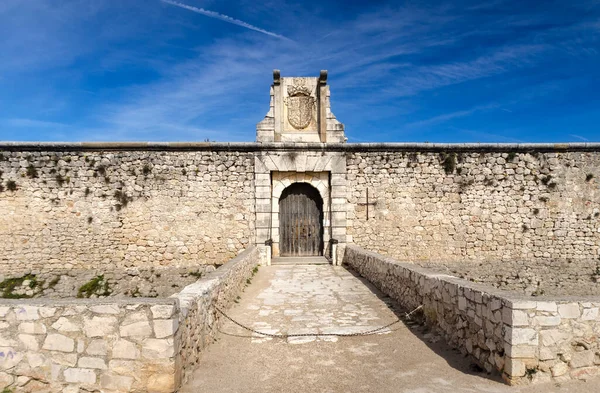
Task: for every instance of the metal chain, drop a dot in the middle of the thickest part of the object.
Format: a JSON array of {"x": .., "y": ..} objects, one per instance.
[{"x": 366, "y": 333}]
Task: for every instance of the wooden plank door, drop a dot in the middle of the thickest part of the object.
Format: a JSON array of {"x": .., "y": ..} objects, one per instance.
[{"x": 300, "y": 221}]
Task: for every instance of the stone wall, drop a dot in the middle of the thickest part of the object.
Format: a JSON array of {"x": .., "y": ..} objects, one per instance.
[
  {"x": 491, "y": 204},
  {"x": 199, "y": 318},
  {"x": 117, "y": 345},
  {"x": 504, "y": 332},
  {"x": 101, "y": 208},
  {"x": 92, "y": 283},
  {"x": 61, "y": 345},
  {"x": 534, "y": 278}
]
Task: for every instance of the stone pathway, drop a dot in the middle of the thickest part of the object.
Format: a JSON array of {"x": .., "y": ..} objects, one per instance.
[{"x": 327, "y": 299}]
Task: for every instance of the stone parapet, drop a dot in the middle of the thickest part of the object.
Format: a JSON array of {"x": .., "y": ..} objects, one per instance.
[
  {"x": 115, "y": 345},
  {"x": 525, "y": 340}
]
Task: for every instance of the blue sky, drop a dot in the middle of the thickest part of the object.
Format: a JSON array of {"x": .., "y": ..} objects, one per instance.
[{"x": 461, "y": 71}]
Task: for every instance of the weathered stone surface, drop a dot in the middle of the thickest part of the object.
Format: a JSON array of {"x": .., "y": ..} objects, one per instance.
[
  {"x": 116, "y": 382},
  {"x": 58, "y": 342},
  {"x": 65, "y": 325},
  {"x": 158, "y": 348},
  {"x": 136, "y": 329},
  {"x": 124, "y": 349},
  {"x": 80, "y": 375},
  {"x": 99, "y": 326},
  {"x": 165, "y": 327},
  {"x": 90, "y": 362},
  {"x": 569, "y": 310}
]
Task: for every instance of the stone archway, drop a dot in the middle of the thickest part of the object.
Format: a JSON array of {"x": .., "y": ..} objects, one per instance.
[
  {"x": 319, "y": 181},
  {"x": 300, "y": 221}
]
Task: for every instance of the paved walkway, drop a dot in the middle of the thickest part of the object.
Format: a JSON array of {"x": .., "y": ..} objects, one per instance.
[{"x": 326, "y": 299}]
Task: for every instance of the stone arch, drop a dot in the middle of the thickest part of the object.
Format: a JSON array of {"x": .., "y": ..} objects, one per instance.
[{"x": 281, "y": 181}]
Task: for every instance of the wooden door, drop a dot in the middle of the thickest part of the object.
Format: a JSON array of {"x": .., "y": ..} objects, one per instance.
[{"x": 300, "y": 221}]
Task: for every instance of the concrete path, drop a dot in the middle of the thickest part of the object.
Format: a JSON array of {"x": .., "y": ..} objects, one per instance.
[{"x": 326, "y": 299}]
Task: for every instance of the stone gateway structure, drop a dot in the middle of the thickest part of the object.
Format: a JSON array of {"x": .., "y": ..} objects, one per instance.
[{"x": 114, "y": 255}]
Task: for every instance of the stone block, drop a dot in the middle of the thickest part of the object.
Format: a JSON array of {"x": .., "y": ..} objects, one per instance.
[
  {"x": 116, "y": 382},
  {"x": 29, "y": 341},
  {"x": 522, "y": 336},
  {"x": 27, "y": 313},
  {"x": 80, "y": 375},
  {"x": 123, "y": 349},
  {"x": 99, "y": 326},
  {"x": 570, "y": 310},
  {"x": 32, "y": 328},
  {"x": 165, "y": 327},
  {"x": 514, "y": 367},
  {"x": 106, "y": 309},
  {"x": 123, "y": 367},
  {"x": 547, "y": 306},
  {"x": 90, "y": 362},
  {"x": 161, "y": 383},
  {"x": 582, "y": 359},
  {"x": 97, "y": 347},
  {"x": 58, "y": 342},
  {"x": 158, "y": 348},
  {"x": 136, "y": 329},
  {"x": 544, "y": 321},
  {"x": 589, "y": 314},
  {"x": 559, "y": 369},
  {"x": 521, "y": 351},
  {"x": 65, "y": 325}
]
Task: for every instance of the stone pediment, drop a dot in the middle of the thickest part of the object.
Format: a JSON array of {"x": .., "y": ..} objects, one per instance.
[{"x": 300, "y": 111}]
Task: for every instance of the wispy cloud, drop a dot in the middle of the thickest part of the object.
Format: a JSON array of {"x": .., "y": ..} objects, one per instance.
[
  {"x": 225, "y": 18},
  {"x": 18, "y": 122},
  {"x": 579, "y": 137},
  {"x": 449, "y": 116}
]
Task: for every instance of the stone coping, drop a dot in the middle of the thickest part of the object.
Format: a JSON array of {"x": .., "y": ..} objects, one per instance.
[
  {"x": 510, "y": 297},
  {"x": 254, "y": 146},
  {"x": 86, "y": 301}
]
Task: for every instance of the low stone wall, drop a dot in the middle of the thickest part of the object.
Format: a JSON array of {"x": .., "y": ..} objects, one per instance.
[
  {"x": 533, "y": 278},
  {"x": 93, "y": 283},
  {"x": 504, "y": 332},
  {"x": 116, "y": 345},
  {"x": 198, "y": 316}
]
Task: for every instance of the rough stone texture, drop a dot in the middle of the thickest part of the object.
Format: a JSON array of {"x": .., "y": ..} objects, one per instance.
[
  {"x": 106, "y": 209},
  {"x": 119, "y": 345},
  {"x": 199, "y": 321},
  {"x": 525, "y": 340},
  {"x": 532, "y": 277},
  {"x": 130, "y": 282},
  {"x": 491, "y": 207}
]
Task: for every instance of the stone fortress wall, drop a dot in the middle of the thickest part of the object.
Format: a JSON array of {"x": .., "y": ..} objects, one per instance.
[
  {"x": 112, "y": 209},
  {"x": 503, "y": 204}
]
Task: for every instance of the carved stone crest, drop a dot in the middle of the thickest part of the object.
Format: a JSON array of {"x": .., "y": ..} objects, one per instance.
[{"x": 300, "y": 105}]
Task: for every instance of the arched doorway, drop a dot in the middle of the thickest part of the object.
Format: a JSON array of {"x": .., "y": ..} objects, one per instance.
[{"x": 300, "y": 221}]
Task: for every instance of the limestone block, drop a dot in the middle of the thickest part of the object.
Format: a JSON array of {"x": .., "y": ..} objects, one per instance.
[
  {"x": 547, "y": 306},
  {"x": 65, "y": 325},
  {"x": 97, "y": 347},
  {"x": 99, "y": 326},
  {"x": 90, "y": 362},
  {"x": 554, "y": 337},
  {"x": 514, "y": 367},
  {"x": 58, "y": 342},
  {"x": 9, "y": 358},
  {"x": 123, "y": 367},
  {"x": 136, "y": 329},
  {"x": 124, "y": 349},
  {"x": 158, "y": 348},
  {"x": 116, "y": 382},
  {"x": 160, "y": 383},
  {"x": 106, "y": 309},
  {"x": 80, "y": 375},
  {"x": 570, "y": 310},
  {"x": 165, "y": 327},
  {"x": 590, "y": 314},
  {"x": 519, "y": 336},
  {"x": 32, "y": 328},
  {"x": 30, "y": 341},
  {"x": 582, "y": 359},
  {"x": 27, "y": 313},
  {"x": 35, "y": 359},
  {"x": 546, "y": 320}
]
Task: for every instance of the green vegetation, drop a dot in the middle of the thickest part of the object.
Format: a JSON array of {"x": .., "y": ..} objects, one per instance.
[
  {"x": 32, "y": 172},
  {"x": 449, "y": 162},
  {"x": 511, "y": 156},
  {"x": 11, "y": 185},
  {"x": 146, "y": 170},
  {"x": 10, "y": 284},
  {"x": 96, "y": 286}
]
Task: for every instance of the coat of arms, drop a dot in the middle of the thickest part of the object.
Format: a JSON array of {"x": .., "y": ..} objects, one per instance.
[{"x": 300, "y": 105}]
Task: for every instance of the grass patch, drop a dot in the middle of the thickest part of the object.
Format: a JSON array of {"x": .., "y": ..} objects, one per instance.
[
  {"x": 10, "y": 284},
  {"x": 96, "y": 286},
  {"x": 31, "y": 172},
  {"x": 11, "y": 185}
]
